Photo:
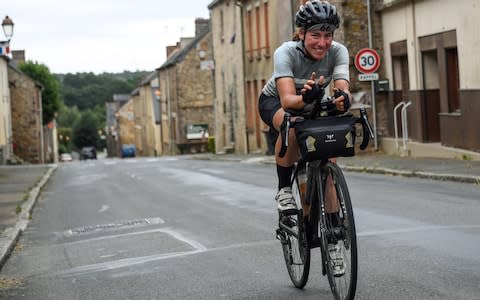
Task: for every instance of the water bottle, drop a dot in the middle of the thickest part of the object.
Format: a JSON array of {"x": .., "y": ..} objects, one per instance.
[
  {"x": 302, "y": 183},
  {"x": 302, "y": 187}
]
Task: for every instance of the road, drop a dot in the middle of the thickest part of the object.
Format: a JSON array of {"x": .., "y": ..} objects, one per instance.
[{"x": 182, "y": 228}]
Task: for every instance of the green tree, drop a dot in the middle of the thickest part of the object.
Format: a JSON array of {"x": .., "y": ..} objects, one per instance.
[
  {"x": 67, "y": 116},
  {"x": 85, "y": 132},
  {"x": 50, "y": 94},
  {"x": 87, "y": 90}
]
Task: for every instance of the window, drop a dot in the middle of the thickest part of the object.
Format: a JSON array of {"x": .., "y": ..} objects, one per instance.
[
  {"x": 267, "y": 31},
  {"x": 250, "y": 35}
]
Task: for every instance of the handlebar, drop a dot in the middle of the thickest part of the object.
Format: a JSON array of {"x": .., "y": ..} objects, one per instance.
[{"x": 328, "y": 106}]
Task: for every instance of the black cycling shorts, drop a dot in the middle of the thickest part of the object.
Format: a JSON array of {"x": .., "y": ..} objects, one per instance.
[{"x": 267, "y": 107}]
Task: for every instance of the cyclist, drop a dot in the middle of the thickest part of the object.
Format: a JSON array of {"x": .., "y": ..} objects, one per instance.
[{"x": 294, "y": 83}]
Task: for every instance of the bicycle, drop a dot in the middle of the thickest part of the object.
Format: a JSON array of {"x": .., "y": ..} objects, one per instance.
[{"x": 319, "y": 224}]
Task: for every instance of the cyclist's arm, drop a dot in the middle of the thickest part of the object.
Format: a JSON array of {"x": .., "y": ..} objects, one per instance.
[
  {"x": 287, "y": 93},
  {"x": 344, "y": 85}
]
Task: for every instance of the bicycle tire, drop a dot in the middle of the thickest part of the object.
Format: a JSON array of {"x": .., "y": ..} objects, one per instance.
[
  {"x": 343, "y": 235},
  {"x": 296, "y": 251}
]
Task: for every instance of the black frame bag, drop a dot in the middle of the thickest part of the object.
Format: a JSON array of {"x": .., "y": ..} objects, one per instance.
[{"x": 326, "y": 137}]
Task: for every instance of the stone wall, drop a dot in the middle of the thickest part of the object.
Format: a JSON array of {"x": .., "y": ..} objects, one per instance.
[{"x": 26, "y": 117}]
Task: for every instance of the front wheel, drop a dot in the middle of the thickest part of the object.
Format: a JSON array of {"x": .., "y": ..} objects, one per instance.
[
  {"x": 339, "y": 241},
  {"x": 296, "y": 251}
]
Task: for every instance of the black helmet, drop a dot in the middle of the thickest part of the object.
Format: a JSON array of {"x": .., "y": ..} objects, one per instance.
[{"x": 316, "y": 12}]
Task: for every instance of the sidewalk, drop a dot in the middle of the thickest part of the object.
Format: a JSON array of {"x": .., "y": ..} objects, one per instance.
[
  {"x": 19, "y": 188},
  {"x": 434, "y": 168}
]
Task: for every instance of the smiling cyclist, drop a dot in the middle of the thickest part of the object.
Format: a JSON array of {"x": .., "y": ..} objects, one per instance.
[{"x": 302, "y": 68}]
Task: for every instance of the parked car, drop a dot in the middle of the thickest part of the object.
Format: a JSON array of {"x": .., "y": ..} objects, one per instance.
[
  {"x": 66, "y": 157},
  {"x": 128, "y": 150},
  {"x": 88, "y": 153}
]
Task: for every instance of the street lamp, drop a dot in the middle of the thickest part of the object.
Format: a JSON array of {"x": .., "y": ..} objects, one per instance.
[{"x": 7, "y": 25}]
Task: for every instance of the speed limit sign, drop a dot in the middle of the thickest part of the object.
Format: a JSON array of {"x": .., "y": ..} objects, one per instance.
[{"x": 367, "y": 60}]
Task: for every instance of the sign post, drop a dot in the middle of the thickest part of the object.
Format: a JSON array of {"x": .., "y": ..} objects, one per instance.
[{"x": 367, "y": 62}]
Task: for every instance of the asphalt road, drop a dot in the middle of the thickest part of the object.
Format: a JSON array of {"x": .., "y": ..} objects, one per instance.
[{"x": 176, "y": 228}]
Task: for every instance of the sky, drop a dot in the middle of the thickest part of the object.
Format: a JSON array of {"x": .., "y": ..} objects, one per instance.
[{"x": 71, "y": 36}]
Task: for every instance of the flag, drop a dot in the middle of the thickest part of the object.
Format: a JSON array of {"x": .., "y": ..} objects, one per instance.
[{"x": 4, "y": 48}]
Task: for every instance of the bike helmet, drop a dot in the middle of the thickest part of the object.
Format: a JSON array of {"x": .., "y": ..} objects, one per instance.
[{"x": 316, "y": 12}]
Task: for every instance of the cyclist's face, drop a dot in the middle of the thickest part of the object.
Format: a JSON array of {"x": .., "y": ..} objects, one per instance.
[{"x": 317, "y": 43}]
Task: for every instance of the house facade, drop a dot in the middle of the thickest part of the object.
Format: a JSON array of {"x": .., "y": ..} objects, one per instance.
[
  {"x": 432, "y": 62},
  {"x": 266, "y": 24},
  {"x": 6, "y": 146},
  {"x": 229, "y": 98},
  {"x": 148, "y": 114},
  {"x": 186, "y": 93},
  {"x": 126, "y": 123},
  {"x": 26, "y": 110}
]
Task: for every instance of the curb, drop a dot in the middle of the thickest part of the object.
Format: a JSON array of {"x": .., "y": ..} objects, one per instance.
[
  {"x": 472, "y": 179},
  {"x": 10, "y": 236},
  {"x": 418, "y": 174}
]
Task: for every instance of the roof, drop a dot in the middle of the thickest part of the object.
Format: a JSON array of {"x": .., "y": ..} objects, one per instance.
[
  {"x": 213, "y": 3},
  {"x": 178, "y": 56},
  {"x": 149, "y": 78}
]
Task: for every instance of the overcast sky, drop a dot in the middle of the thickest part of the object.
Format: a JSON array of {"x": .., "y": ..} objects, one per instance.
[{"x": 100, "y": 35}]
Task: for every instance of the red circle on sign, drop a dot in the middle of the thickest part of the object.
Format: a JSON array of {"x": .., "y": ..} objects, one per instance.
[{"x": 367, "y": 60}]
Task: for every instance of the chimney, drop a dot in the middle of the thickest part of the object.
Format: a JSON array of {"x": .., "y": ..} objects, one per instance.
[
  {"x": 201, "y": 26},
  {"x": 18, "y": 56},
  {"x": 171, "y": 49}
]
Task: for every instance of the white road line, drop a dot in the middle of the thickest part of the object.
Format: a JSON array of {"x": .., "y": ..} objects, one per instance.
[
  {"x": 105, "y": 266},
  {"x": 104, "y": 208}
]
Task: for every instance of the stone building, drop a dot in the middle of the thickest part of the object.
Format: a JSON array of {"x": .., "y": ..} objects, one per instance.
[
  {"x": 186, "y": 88},
  {"x": 26, "y": 108},
  {"x": 126, "y": 123},
  {"x": 112, "y": 129},
  {"x": 266, "y": 24},
  {"x": 230, "y": 133},
  {"x": 147, "y": 112}
]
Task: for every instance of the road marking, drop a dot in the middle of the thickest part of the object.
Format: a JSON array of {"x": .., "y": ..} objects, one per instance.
[
  {"x": 127, "y": 262},
  {"x": 121, "y": 263},
  {"x": 110, "y": 226},
  {"x": 103, "y": 208}
]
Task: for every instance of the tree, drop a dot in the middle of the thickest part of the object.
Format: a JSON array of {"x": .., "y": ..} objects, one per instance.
[
  {"x": 85, "y": 131},
  {"x": 50, "y": 94}
]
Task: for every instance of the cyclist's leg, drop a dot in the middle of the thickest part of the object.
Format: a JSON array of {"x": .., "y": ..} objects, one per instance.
[{"x": 272, "y": 114}]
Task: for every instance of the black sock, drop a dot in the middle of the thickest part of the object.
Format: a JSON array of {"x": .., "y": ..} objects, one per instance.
[{"x": 284, "y": 176}]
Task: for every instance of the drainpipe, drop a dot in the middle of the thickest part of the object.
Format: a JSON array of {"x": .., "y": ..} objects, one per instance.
[
  {"x": 372, "y": 83},
  {"x": 240, "y": 4}
]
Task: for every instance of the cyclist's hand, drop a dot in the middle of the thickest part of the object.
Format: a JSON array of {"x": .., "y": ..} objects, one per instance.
[
  {"x": 342, "y": 100},
  {"x": 312, "y": 90}
]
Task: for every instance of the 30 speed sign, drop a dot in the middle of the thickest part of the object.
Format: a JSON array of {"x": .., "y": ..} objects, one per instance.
[{"x": 367, "y": 60}]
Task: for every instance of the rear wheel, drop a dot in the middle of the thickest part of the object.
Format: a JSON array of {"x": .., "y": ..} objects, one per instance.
[
  {"x": 294, "y": 244},
  {"x": 339, "y": 242}
]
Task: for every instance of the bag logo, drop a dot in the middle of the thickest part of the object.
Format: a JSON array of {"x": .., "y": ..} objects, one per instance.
[
  {"x": 310, "y": 143},
  {"x": 330, "y": 138},
  {"x": 349, "y": 139}
]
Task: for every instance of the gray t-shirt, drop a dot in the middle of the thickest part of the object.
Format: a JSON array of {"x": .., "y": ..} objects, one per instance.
[{"x": 290, "y": 61}]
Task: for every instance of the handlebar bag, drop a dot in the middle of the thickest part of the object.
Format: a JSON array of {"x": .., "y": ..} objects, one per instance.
[{"x": 326, "y": 137}]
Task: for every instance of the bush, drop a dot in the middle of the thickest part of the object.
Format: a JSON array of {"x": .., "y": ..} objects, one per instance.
[{"x": 211, "y": 144}]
